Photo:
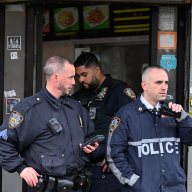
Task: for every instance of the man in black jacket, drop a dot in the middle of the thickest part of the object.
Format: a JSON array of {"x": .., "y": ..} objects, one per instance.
[
  {"x": 44, "y": 133},
  {"x": 102, "y": 96}
]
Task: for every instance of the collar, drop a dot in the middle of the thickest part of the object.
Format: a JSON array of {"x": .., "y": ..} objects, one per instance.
[
  {"x": 55, "y": 102},
  {"x": 147, "y": 104},
  {"x": 106, "y": 83}
]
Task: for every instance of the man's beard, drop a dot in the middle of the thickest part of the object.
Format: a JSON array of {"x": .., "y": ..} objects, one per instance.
[
  {"x": 63, "y": 90},
  {"x": 94, "y": 85}
]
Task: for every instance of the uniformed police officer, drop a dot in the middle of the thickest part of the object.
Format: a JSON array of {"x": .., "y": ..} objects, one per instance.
[
  {"x": 145, "y": 139},
  {"x": 102, "y": 96},
  {"x": 42, "y": 136}
]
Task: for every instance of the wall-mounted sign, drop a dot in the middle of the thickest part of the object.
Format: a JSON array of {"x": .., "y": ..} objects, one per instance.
[
  {"x": 11, "y": 93},
  {"x": 167, "y": 40},
  {"x": 168, "y": 62},
  {"x": 13, "y": 55},
  {"x": 13, "y": 42},
  {"x": 10, "y": 104},
  {"x": 131, "y": 20},
  {"x": 66, "y": 19},
  {"x": 96, "y": 17},
  {"x": 166, "y": 18},
  {"x": 95, "y": 20},
  {"x": 46, "y": 21}
]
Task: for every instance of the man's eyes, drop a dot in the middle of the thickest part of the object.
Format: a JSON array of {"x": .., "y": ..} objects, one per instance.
[
  {"x": 81, "y": 75},
  {"x": 160, "y": 82},
  {"x": 84, "y": 75}
]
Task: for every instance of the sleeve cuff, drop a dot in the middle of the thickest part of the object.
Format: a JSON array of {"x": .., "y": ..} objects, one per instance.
[
  {"x": 20, "y": 168},
  {"x": 183, "y": 116},
  {"x": 134, "y": 178}
]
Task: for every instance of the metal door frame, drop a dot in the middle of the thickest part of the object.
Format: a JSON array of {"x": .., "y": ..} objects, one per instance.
[{"x": 2, "y": 46}]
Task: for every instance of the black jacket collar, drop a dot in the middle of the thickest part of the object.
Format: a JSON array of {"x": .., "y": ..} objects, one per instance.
[{"x": 56, "y": 103}]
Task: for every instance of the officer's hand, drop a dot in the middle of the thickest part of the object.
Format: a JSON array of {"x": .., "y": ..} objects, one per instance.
[
  {"x": 90, "y": 148},
  {"x": 30, "y": 176},
  {"x": 105, "y": 167},
  {"x": 175, "y": 107}
]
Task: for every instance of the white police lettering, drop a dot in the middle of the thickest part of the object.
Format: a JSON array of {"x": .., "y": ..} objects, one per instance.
[
  {"x": 169, "y": 149},
  {"x": 161, "y": 148},
  {"x": 156, "y": 146}
]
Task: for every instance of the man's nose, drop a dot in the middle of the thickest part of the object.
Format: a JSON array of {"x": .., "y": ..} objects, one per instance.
[
  {"x": 73, "y": 81},
  {"x": 81, "y": 79},
  {"x": 164, "y": 86}
]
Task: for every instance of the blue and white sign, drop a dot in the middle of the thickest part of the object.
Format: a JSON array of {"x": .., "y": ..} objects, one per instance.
[{"x": 168, "y": 62}]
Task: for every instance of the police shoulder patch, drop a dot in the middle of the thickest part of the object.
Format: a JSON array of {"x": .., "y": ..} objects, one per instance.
[
  {"x": 129, "y": 92},
  {"x": 114, "y": 124},
  {"x": 15, "y": 119}
]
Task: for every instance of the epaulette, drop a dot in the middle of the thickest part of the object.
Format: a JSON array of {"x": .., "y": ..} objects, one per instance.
[
  {"x": 17, "y": 115},
  {"x": 28, "y": 103}
]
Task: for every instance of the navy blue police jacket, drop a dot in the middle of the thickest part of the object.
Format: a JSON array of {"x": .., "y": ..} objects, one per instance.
[
  {"x": 28, "y": 138},
  {"x": 143, "y": 149},
  {"x": 102, "y": 104}
]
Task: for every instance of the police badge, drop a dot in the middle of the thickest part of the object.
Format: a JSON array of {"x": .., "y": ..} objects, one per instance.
[
  {"x": 129, "y": 92},
  {"x": 15, "y": 119},
  {"x": 92, "y": 112}
]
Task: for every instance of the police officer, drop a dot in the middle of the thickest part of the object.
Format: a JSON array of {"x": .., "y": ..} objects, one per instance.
[
  {"x": 102, "y": 96},
  {"x": 42, "y": 135},
  {"x": 145, "y": 139}
]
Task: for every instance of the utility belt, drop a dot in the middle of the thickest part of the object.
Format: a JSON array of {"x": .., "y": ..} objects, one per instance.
[{"x": 56, "y": 184}]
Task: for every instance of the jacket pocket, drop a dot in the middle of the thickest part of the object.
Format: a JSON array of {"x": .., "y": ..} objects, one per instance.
[{"x": 53, "y": 164}]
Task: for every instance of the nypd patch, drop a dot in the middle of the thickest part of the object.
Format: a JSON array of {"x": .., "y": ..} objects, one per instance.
[
  {"x": 15, "y": 119},
  {"x": 114, "y": 124},
  {"x": 129, "y": 92}
]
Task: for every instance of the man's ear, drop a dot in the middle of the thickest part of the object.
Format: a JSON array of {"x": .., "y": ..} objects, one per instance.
[
  {"x": 55, "y": 77},
  {"x": 143, "y": 85},
  {"x": 97, "y": 70}
]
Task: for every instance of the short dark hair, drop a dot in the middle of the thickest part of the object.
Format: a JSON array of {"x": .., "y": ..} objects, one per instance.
[
  {"x": 87, "y": 59},
  {"x": 54, "y": 64},
  {"x": 147, "y": 69},
  {"x": 152, "y": 67}
]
